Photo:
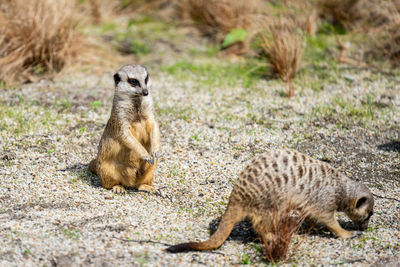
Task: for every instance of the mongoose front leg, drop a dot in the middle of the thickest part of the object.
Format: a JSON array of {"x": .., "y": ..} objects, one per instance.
[
  {"x": 333, "y": 225},
  {"x": 132, "y": 143},
  {"x": 155, "y": 142}
]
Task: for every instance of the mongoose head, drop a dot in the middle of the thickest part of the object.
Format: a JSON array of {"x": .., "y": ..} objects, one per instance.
[
  {"x": 132, "y": 80},
  {"x": 361, "y": 206}
]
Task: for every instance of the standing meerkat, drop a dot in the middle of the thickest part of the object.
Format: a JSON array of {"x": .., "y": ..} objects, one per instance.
[
  {"x": 129, "y": 147},
  {"x": 276, "y": 178}
]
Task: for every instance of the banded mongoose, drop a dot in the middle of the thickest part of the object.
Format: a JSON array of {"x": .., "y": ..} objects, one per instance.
[
  {"x": 130, "y": 144},
  {"x": 278, "y": 177}
]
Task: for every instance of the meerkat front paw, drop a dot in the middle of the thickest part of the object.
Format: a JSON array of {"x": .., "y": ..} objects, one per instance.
[
  {"x": 118, "y": 189},
  {"x": 154, "y": 156},
  {"x": 355, "y": 234},
  {"x": 349, "y": 234},
  {"x": 149, "y": 159},
  {"x": 146, "y": 187},
  {"x": 153, "y": 159}
]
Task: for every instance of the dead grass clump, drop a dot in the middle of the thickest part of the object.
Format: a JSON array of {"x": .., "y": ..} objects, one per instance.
[
  {"x": 380, "y": 20},
  {"x": 103, "y": 10},
  {"x": 282, "y": 225},
  {"x": 386, "y": 44},
  {"x": 162, "y": 9},
  {"x": 217, "y": 18},
  {"x": 37, "y": 37},
  {"x": 339, "y": 12},
  {"x": 284, "y": 49},
  {"x": 303, "y": 12},
  {"x": 360, "y": 14}
]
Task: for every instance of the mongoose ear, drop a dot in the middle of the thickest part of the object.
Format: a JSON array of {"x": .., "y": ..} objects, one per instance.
[
  {"x": 361, "y": 201},
  {"x": 117, "y": 79}
]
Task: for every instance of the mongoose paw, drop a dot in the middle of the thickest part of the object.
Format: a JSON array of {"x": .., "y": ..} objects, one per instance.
[
  {"x": 355, "y": 234},
  {"x": 147, "y": 188},
  {"x": 149, "y": 160},
  {"x": 154, "y": 155},
  {"x": 118, "y": 189},
  {"x": 349, "y": 234}
]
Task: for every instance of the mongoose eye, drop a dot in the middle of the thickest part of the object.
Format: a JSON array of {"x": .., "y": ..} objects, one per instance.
[
  {"x": 361, "y": 202},
  {"x": 147, "y": 79},
  {"x": 133, "y": 82}
]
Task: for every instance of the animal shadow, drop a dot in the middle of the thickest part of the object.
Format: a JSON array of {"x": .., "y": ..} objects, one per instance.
[
  {"x": 81, "y": 172},
  {"x": 393, "y": 146},
  {"x": 244, "y": 232}
]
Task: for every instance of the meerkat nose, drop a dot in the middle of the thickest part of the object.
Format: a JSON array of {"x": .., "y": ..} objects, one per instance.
[{"x": 145, "y": 92}]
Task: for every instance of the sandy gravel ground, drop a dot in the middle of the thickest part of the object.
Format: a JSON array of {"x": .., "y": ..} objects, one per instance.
[{"x": 53, "y": 212}]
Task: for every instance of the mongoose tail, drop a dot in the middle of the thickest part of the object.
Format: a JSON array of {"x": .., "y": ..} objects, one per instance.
[{"x": 232, "y": 215}]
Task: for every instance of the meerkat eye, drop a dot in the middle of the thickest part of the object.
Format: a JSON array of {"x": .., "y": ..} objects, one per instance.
[
  {"x": 147, "y": 79},
  {"x": 133, "y": 82}
]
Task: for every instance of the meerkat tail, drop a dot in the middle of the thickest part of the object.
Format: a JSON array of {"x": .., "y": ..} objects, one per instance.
[
  {"x": 232, "y": 215},
  {"x": 93, "y": 166}
]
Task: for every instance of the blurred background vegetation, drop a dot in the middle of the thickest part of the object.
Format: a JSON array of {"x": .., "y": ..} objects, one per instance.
[{"x": 292, "y": 40}]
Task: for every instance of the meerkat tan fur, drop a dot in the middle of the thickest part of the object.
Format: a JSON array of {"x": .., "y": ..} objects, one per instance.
[
  {"x": 128, "y": 150},
  {"x": 276, "y": 178}
]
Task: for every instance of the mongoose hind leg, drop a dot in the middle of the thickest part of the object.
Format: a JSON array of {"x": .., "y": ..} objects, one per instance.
[
  {"x": 110, "y": 177},
  {"x": 145, "y": 183},
  {"x": 118, "y": 189},
  {"x": 333, "y": 225},
  {"x": 147, "y": 188}
]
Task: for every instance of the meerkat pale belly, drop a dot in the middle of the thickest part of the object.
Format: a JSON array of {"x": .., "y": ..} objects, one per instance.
[{"x": 129, "y": 147}]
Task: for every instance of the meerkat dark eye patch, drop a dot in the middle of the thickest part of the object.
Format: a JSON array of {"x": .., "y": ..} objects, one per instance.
[
  {"x": 117, "y": 79},
  {"x": 361, "y": 202},
  {"x": 133, "y": 82},
  {"x": 147, "y": 79}
]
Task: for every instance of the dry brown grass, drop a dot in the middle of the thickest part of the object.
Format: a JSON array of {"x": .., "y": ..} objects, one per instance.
[
  {"x": 304, "y": 13},
  {"x": 217, "y": 18},
  {"x": 161, "y": 9},
  {"x": 338, "y": 11},
  {"x": 282, "y": 225},
  {"x": 36, "y": 38},
  {"x": 360, "y": 14},
  {"x": 284, "y": 50},
  {"x": 103, "y": 10},
  {"x": 380, "y": 19}
]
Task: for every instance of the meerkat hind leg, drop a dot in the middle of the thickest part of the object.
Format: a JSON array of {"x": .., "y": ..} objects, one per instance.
[
  {"x": 118, "y": 189},
  {"x": 146, "y": 181},
  {"x": 147, "y": 188},
  {"x": 109, "y": 177}
]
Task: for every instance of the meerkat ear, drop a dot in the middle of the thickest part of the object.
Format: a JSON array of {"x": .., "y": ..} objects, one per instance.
[
  {"x": 360, "y": 202},
  {"x": 117, "y": 79}
]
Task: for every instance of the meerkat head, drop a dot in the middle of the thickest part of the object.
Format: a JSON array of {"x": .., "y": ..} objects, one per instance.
[
  {"x": 132, "y": 80},
  {"x": 361, "y": 206}
]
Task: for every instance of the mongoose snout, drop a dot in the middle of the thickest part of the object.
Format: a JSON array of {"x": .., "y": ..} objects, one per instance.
[
  {"x": 145, "y": 92},
  {"x": 364, "y": 225}
]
